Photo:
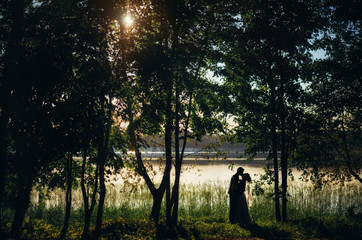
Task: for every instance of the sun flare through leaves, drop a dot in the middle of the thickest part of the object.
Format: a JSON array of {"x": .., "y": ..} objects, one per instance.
[{"x": 128, "y": 20}]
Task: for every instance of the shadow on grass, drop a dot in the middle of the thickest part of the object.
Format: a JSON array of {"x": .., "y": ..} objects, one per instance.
[
  {"x": 174, "y": 232},
  {"x": 211, "y": 229},
  {"x": 331, "y": 228},
  {"x": 268, "y": 232},
  {"x": 226, "y": 231}
]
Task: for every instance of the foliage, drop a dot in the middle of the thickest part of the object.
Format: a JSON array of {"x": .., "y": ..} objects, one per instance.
[
  {"x": 264, "y": 69},
  {"x": 59, "y": 88},
  {"x": 171, "y": 95},
  {"x": 330, "y": 134},
  {"x": 209, "y": 228},
  {"x": 73, "y": 77}
]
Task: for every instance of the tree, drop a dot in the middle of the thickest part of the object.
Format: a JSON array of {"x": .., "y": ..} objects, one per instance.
[
  {"x": 331, "y": 134},
  {"x": 56, "y": 76},
  {"x": 170, "y": 56},
  {"x": 99, "y": 86},
  {"x": 30, "y": 85},
  {"x": 272, "y": 48}
]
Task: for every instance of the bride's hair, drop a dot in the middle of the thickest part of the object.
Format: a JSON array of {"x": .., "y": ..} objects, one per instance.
[{"x": 247, "y": 177}]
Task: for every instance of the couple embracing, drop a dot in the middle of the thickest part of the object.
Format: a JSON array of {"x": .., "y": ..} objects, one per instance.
[{"x": 239, "y": 212}]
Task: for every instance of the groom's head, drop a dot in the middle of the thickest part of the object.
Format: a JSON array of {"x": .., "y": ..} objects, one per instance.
[{"x": 240, "y": 171}]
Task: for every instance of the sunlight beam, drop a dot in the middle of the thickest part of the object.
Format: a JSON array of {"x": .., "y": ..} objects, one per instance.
[{"x": 128, "y": 20}]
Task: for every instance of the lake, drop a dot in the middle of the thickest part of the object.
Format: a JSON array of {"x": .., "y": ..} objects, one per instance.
[{"x": 200, "y": 170}]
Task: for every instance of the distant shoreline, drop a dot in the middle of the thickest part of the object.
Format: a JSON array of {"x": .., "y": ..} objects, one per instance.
[
  {"x": 238, "y": 161},
  {"x": 205, "y": 161}
]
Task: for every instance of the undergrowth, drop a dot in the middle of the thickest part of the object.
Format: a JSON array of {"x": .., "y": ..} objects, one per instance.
[{"x": 207, "y": 228}]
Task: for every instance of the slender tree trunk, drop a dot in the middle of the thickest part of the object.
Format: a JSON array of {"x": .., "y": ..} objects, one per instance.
[
  {"x": 348, "y": 163},
  {"x": 284, "y": 160},
  {"x": 274, "y": 148},
  {"x": 88, "y": 208},
  {"x": 176, "y": 191},
  {"x": 68, "y": 197},
  {"x": 102, "y": 196},
  {"x": 176, "y": 187},
  {"x": 175, "y": 195},
  {"x": 347, "y": 156},
  {"x": 22, "y": 202},
  {"x": 103, "y": 144},
  {"x": 4, "y": 143},
  {"x": 168, "y": 150},
  {"x": 168, "y": 135},
  {"x": 103, "y": 155},
  {"x": 85, "y": 197}
]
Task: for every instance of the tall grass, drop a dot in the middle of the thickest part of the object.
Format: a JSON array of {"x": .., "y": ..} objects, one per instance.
[
  {"x": 203, "y": 212},
  {"x": 206, "y": 199},
  {"x": 305, "y": 200}
]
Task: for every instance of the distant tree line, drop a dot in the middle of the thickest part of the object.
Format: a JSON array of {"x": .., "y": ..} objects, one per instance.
[{"x": 77, "y": 81}]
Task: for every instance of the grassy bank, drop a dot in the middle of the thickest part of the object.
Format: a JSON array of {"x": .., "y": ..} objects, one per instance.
[
  {"x": 208, "y": 228},
  {"x": 330, "y": 212}
]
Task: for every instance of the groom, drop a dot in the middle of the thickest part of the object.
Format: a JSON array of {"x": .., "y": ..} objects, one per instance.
[{"x": 239, "y": 212}]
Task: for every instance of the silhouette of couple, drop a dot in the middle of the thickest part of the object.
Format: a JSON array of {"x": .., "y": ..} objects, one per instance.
[{"x": 239, "y": 212}]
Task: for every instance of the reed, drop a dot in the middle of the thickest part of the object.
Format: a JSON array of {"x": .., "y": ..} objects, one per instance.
[
  {"x": 204, "y": 206},
  {"x": 209, "y": 199}
]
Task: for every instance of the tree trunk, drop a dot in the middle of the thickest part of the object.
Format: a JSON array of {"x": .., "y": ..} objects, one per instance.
[
  {"x": 284, "y": 160},
  {"x": 175, "y": 194},
  {"x": 157, "y": 194},
  {"x": 347, "y": 156},
  {"x": 156, "y": 206},
  {"x": 168, "y": 150},
  {"x": 103, "y": 155},
  {"x": 102, "y": 196},
  {"x": 85, "y": 197},
  {"x": 178, "y": 162},
  {"x": 170, "y": 201},
  {"x": 88, "y": 209},
  {"x": 4, "y": 143},
  {"x": 68, "y": 197},
  {"x": 11, "y": 59},
  {"x": 22, "y": 203},
  {"x": 87, "y": 217},
  {"x": 274, "y": 149},
  {"x": 88, "y": 214}
]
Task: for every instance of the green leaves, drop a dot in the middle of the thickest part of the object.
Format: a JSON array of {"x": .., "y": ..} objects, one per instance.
[{"x": 329, "y": 134}]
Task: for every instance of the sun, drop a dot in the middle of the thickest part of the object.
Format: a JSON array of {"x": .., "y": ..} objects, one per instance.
[{"x": 128, "y": 20}]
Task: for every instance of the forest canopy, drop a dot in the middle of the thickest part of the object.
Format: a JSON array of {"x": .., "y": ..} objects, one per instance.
[{"x": 97, "y": 80}]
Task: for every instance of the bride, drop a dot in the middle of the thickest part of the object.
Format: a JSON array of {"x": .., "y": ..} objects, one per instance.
[{"x": 239, "y": 212}]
